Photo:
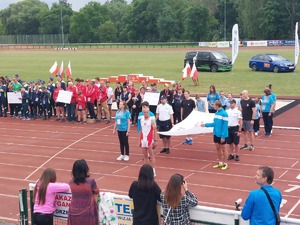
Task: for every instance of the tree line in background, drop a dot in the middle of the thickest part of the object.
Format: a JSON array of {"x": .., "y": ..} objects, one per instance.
[{"x": 154, "y": 20}]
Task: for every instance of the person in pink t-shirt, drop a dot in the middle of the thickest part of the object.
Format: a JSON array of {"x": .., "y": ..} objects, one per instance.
[{"x": 44, "y": 196}]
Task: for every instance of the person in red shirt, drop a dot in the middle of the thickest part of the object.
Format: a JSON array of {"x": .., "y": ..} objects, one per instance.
[
  {"x": 91, "y": 92},
  {"x": 102, "y": 102},
  {"x": 60, "y": 107},
  {"x": 81, "y": 107},
  {"x": 72, "y": 105}
]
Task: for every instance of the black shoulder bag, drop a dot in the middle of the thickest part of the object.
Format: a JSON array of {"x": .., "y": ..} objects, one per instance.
[{"x": 277, "y": 216}]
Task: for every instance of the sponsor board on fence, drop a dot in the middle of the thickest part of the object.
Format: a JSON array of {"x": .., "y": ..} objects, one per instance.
[
  {"x": 62, "y": 203},
  {"x": 123, "y": 207},
  {"x": 14, "y": 98},
  {"x": 203, "y": 44},
  {"x": 212, "y": 44},
  {"x": 257, "y": 43},
  {"x": 64, "y": 96},
  {"x": 223, "y": 44}
]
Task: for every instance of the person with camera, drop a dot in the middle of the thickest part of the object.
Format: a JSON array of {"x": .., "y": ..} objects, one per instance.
[
  {"x": 262, "y": 205},
  {"x": 176, "y": 201}
]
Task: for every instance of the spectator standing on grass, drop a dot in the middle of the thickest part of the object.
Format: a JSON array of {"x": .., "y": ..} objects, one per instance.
[
  {"x": 248, "y": 113},
  {"x": 187, "y": 106},
  {"x": 145, "y": 193},
  {"x": 148, "y": 135},
  {"x": 220, "y": 134},
  {"x": 266, "y": 111},
  {"x": 235, "y": 124},
  {"x": 122, "y": 125},
  {"x": 165, "y": 122},
  {"x": 257, "y": 207},
  {"x": 44, "y": 194},
  {"x": 212, "y": 96},
  {"x": 177, "y": 199},
  {"x": 60, "y": 107},
  {"x": 85, "y": 194}
]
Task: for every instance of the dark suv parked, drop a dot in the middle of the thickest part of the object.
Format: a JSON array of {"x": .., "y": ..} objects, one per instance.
[{"x": 208, "y": 60}]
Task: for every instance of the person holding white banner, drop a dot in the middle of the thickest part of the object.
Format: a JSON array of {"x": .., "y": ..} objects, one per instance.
[
  {"x": 165, "y": 120},
  {"x": 187, "y": 106},
  {"x": 59, "y": 106},
  {"x": 220, "y": 132}
]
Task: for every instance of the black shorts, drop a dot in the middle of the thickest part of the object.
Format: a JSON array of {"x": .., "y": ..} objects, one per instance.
[
  {"x": 232, "y": 135},
  {"x": 164, "y": 126},
  {"x": 59, "y": 104},
  {"x": 218, "y": 140}
]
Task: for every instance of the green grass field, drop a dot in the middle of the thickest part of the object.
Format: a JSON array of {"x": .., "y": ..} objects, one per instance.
[{"x": 168, "y": 64}]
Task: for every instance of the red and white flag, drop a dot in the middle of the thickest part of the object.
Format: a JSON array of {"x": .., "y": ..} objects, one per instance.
[
  {"x": 186, "y": 71},
  {"x": 54, "y": 69},
  {"x": 69, "y": 71},
  {"x": 61, "y": 69},
  {"x": 194, "y": 72}
]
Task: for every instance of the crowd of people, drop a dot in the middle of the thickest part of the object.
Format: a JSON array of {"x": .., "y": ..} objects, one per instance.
[
  {"x": 93, "y": 98},
  {"x": 176, "y": 199}
]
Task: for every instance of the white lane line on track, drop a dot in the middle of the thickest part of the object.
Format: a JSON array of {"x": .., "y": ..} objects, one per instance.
[
  {"x": 295, "y": 164},
  {"x": 120, "y": 169},
  {"x": 95, "y": 132},
  {"x": 292, "y": 209},
  {"x": 283, "y": 173}
]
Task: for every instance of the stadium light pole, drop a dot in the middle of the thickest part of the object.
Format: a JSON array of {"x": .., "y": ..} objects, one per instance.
[
  {"x": 225, "y": 20},
  {"x": 62, "y": 26}
]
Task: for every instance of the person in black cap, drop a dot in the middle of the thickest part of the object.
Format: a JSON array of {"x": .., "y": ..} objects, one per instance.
[{"x": 165, "y": 120}]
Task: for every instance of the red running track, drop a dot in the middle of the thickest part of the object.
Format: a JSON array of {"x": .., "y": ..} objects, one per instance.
[{"x": 28, "y": 147}]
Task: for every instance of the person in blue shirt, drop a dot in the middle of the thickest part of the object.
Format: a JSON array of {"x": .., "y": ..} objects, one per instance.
[
  {"x": 122, "y": 125},
  {"x": 223, "y": 99},
  {"x": 212, "y": 96},
  {"x": 266, "y": 111},
  {"x": 220, "y": 133},
  {"x": 256, "y": 124},
  {"x": 200, "y": 104},
  {"x": 257, "y": 208}
]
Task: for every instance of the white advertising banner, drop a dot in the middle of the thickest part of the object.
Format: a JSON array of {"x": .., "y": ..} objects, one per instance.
[
  {"x": 192, "y": 125},
  {"x": 257, "y": 43},
  {"x": 235, "y": 42},
  {"x": 223, "y": 44},
  {"x": 296, "y": 44}
]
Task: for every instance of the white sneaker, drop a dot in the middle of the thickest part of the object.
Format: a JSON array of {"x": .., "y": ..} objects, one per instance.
[
  {"x": 126, "y": 158},
  {"x": 121, "y": 157},
  {"x": 256, "y": 133}
]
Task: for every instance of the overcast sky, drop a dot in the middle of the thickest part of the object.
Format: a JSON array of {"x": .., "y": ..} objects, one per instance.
[{"x": 76, "y": 4}]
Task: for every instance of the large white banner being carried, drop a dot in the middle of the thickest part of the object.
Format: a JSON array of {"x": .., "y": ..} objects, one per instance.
[
  {"x": 152, "y": 98},
  {"x": 296, "y": 44},
  {"x": 192, "y": 125},
  {"x": 235, "y": 42}
]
